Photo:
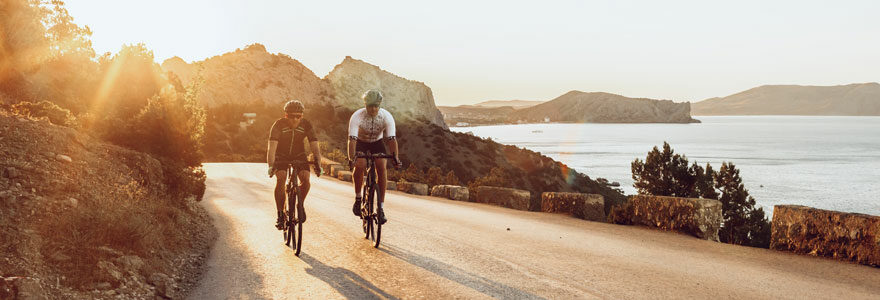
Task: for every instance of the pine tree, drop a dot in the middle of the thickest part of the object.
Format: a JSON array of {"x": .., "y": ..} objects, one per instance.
[{"x": 743, "y": 224}]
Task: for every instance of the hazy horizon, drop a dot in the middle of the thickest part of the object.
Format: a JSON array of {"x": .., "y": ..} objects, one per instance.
[{"x": 474, "y": 52}]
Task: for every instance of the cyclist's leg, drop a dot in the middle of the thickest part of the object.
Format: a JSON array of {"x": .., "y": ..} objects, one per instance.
[
  {"x": 304, "y": 187},
  {"x": 382, "y": 178},
  {"x": 360, "y": 167},
  {"x": 281, "y": 180},
  {"x": 281, "y": 177}
]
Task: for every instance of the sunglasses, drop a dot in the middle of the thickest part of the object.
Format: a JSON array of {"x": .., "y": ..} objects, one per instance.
[{"x": 294, "y": 116}]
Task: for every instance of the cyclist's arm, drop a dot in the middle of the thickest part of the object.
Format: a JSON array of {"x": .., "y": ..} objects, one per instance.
[
  {"x": 352, "y": 134},
  {"x": 392, "y": 145},
  {"x": 391, "y": 135},
  {"x": 274, "y": 136},
  {"x": 270, "y": 153},
  {"x": 313, "y": 143}
]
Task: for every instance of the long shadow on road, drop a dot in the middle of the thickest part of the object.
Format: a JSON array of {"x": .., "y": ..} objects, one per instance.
[
  {"x": 479, "y": 283},
  {"x": 346, "y": 282}
]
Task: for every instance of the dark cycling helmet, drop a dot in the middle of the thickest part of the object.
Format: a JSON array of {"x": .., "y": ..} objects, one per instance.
[
  {"x": 294, "y": 106},
  {"x": 372, "y": 97}
]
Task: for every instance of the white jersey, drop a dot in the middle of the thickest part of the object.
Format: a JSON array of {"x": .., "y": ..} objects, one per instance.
[{"x": 370, "y": 129}]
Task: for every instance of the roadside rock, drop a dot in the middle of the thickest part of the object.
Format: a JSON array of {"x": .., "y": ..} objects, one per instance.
[
  {"x": 506, "y": 197},
  {"x": 840, "y": 235},
  {"x": 698, "y": 217},
  {"x": 584, "y": 206},
  {"x": 334, "y": 170},
  {"x": 453, "y": 192},
  {"x": 391, "y": 186},
  {"x": 414, "y": 188}
]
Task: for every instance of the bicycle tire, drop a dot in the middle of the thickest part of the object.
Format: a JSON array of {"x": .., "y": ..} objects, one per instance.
[{"x": 377, "y": 234}]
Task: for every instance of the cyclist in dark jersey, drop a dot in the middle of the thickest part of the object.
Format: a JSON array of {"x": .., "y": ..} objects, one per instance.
[{"x": 287, "y": 142}]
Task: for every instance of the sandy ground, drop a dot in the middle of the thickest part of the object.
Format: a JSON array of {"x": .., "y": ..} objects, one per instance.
[{"x": 434, "y": 248}]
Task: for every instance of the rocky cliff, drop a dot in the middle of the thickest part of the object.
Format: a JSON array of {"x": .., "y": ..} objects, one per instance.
[
  {"x": 405, "y": 99},
  {"x": 581, "y": 107},
  {"x": 861, "y": 99},
  {"x": 252, "y": 74}
]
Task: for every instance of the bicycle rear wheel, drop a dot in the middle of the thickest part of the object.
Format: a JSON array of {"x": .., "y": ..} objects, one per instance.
[{"x": 286, "y": 229}]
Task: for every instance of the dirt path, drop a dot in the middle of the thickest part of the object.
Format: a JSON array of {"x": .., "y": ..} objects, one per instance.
[{"x": 439, "y": 248}]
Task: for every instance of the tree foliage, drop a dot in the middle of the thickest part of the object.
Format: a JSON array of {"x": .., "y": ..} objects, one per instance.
[{"x": 664, "y": 173}]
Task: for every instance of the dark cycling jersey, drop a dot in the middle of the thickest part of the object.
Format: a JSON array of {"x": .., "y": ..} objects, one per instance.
[{"x": 291, "y": 141}]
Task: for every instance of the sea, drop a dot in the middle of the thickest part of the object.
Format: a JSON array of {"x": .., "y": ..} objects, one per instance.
[{"x": 826, "y": 162}]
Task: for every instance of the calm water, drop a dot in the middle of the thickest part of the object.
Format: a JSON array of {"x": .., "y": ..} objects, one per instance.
[{"x": 823, "y": 162}]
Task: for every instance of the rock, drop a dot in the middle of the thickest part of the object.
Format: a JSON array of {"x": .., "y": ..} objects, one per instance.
[
  {"x": 72, "y": 202},
  {"x": 164, "y": 285},
  {"x": 344, "y": 175},
  {"x": 506, "y": 197},
  {"x": 64, "y": 158},
  {"x": 453, "y": 192},
  {"x": 391, "y": 185},
  {"x": 844, "y": 236},
  {"x": 584, "y": 206},
  {"x": 26, "y": 288},
  {"x": 334, "y": 170},
  {"x": 103, "y": 286},
  {"x": 110, "y": 272},
  {"x": 408, "y": 100},
  {"x": 413, "y": 188},
  {"x": 130, "y": 263},
  {"x": 11, "y": 173},
  {"x": 697, "y": 217}
]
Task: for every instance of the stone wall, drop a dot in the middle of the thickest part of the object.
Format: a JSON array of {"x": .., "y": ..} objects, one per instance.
[
  {"x": 453, "y": 192},
  {"x": 845, "y": 236},
  {"x": 698, "y": 217},
  {"x": 413, "y": 188},
  {"x": 506, "y": 197},
  {"x": 584, "y": 206}
]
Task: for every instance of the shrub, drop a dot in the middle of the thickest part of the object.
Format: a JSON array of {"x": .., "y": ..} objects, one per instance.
[
  {"x": 667, "y": 174},
  {"x": 45, "y": 109}
]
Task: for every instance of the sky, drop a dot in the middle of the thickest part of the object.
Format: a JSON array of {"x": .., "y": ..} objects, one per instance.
[{"x": 473, "y": 51}]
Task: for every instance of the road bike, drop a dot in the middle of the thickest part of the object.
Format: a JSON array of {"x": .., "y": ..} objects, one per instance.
[
  {"x": 291, "y": 227},
  {"x": 372, "y": 227}
]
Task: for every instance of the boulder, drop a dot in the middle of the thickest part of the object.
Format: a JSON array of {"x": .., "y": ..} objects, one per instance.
[
  {"x": 21, "y": 288},
  {"x": 453, "y": 192},
  {"x": 334, "y": 170},
  {"x": 64, "y": 158},
  {"x": 344, "y": 175},
  {"x": 110, "y": 271},
  {"x": 584, "y": 206},
  {"x": 844, "y": 236},
  {"x": 130, "y": 263},
  {"x": 413, "y": 188},
  {"x": 697, "y": 217},
  {"x": 391, "y": 186},
  {"x": 506, "y": 197}
]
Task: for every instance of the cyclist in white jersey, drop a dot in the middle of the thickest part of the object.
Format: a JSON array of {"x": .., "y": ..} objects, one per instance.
[{"x": 368, "y": 130}]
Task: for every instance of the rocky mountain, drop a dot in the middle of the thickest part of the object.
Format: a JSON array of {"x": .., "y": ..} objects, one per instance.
[
  {"x": 475, "y": 115},
  {"x": 511, "y": 103},
  {"x": 405, "y": 99},
  {"x": 862, "y": 99},
  {"x": 252, "y": 74},
  {"x": 581, "y": 107}
]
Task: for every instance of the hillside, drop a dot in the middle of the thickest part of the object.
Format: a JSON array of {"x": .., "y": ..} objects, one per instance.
[
  {"x": 581, "y": 107},
  {"x": 405, "y": 99},
  {"x": 252, "y": 75},
  {"x": 475, "y": 115},
  {"x": 512, "y": 103},
  {"x": 861, "y": 99},
  {"x": 80, "y": 218}
]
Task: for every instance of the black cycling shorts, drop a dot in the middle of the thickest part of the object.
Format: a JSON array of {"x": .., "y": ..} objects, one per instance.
[
  {"x": 374, "y": 147},
  {"x": 283, "y": 167}
]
